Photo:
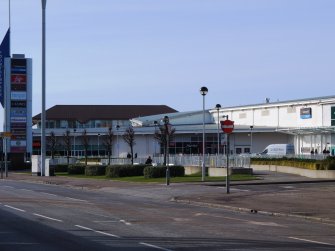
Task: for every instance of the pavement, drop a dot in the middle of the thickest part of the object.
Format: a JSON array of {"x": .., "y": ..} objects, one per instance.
[{"x": 276, "y": 194}]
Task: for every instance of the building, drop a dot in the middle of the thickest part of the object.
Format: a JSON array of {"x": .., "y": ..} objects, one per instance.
[
  {"x": 95, "y": 120},
  {"x": 309, "y": 124},
  {"x": 306, "y": 123}
]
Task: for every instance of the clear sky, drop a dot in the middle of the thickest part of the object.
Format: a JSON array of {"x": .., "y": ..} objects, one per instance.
[{"x": 163, "y": 51}]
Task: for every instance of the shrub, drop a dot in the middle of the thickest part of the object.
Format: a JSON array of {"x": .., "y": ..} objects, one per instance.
[
  {"x": 60, "y": 167},
  {"x": 116, "y": 171},
  {"x": 76, "y": 169},
  {"x": 160, "y": 171},
  {"x": 95, "y": 170},
  {"x": 312, "y": 164}
]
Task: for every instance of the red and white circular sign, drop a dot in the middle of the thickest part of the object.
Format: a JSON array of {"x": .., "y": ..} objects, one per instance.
[{"x": 227, "y": 126}]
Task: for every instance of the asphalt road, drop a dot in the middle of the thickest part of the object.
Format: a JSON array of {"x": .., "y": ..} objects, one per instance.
[{"x": 50, "y": 217}]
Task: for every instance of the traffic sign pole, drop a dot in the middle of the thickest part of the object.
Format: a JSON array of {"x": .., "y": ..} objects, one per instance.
[{"x": 227, "y": 127}]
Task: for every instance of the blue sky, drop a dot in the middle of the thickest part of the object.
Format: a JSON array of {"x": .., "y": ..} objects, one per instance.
[{"x": 163, "y": 51}]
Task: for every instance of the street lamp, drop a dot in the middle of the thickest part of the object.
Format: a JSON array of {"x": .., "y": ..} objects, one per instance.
[
  {"x": 251, "y": 127},
  {"x": 117, "y": 139},
  {"x": 218, "y": 106},
  {"x": 166, "y": 121},
  {"x": 203, "y": 92},
  {"x": 155, "y": 125},
  {"x": 98, "y": 145},
  {"x": 74, "y": 142},
  {"x": 43, "y": 115}
]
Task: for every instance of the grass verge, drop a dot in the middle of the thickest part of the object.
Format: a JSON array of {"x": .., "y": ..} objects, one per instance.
[{"x": 186, "y": 178}]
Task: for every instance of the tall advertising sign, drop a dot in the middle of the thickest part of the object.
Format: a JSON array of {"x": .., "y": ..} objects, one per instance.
[
  {"x": 4, "y": 53},
  {"x": 18, "y": 104}
]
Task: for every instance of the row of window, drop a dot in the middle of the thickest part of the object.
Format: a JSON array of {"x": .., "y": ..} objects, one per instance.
[{"x": 90, "y": 124}]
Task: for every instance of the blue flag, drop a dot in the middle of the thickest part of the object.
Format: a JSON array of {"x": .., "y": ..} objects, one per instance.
[{"x": 4, "y": 53}]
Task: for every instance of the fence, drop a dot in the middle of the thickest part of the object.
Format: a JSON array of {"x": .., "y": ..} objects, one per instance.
[{"x": 188, "y": 160}]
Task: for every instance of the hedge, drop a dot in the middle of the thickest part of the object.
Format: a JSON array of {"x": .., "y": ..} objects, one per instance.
[
  {"x": 76, "y": 169},
  {"x": 60, "y": 167},
  {"x": 116, "y": 171},
  {"x": 95, "y": 170},
  {"x": 326, "y": 164},
  {"x": 160, "y": 171}
]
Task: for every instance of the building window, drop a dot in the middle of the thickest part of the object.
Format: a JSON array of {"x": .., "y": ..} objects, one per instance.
[{"x": 332, "y": 116}]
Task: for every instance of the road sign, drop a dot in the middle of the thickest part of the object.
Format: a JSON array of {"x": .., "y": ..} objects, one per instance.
[{"x": 227, "y": 126}]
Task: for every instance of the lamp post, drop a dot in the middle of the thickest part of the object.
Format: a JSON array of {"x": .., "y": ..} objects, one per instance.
[
  {"x": 155, "y": 125},
  {"x": 74, "y": 142},
  {"x": 43, "y": 115},
  {"x": 218, "y": 106},
  {"x": 117, "y": 139},
  {"x": 166, "y": 121},
  {"x": 251, "y": 127},
  {"x": 203, "y": 92},
  {"x": 98, "y": 144}
]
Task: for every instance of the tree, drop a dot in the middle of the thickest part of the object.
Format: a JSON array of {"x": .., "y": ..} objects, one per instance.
[
  {"x": 67, "y": 144},
  {"x": 85, "y": 143},
  {"x": 52, "y": 143},
  {"x": 164, "y": 136},
  {"x": 129, "y": 138},
  {"x": 108, "y": 143}
]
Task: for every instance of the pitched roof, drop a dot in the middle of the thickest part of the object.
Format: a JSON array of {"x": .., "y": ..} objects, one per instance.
[{"x": 84, "y": 113}]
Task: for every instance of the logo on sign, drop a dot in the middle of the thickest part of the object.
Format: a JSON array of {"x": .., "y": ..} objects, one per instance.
[
  {"x": 18, "y": 112},
  {"x": 18, "y": 104},
  {"x": 18, "y": 79},
  {"x": 18, "y": 95}
]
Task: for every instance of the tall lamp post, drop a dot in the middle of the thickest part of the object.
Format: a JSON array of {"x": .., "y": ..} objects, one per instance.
[
  {"x": 166, "y": 121},
  {"x": 155, "y": 125},
  {"x": 203, "y": 92},
  {"x": 43, "y": 115},
  {"x": 74, "y": 142},
  {"x": 218, "y": 106},
  {"x": 99, "y": 144},
  {"x": 251, "y": 127},
  {"x": 117, "y": 139}
]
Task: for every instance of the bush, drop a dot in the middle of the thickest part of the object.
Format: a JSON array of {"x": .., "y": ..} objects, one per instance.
[
  {"x": 312, "y": 164},
  {"x": 116, "y": 171},
  {"x": 160, "y": 171},
  {"x": 95, "y": 170},
  {"x": 76, "y": 169},
  {"x": 60, "y": 168}
]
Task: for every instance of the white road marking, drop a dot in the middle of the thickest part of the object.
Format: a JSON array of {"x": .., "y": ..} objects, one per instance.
[
  {"x": 8, "y": 186},
  {"x": 125, "y": 222},
  {"x": 288, "y": 187},
  {"x": 317, "y": 242},
  {"x": 50, "y": 194},
  {"x": 153, "y": 246},
  {"x": 75, "y": 199},
  {"x": 46, "y": 217},
  {"x": 23, "y": 189},
  {"x": 15, "y": 208},
  {"x": 99, "y": 232},
  {"x": 262, "y": 223}
]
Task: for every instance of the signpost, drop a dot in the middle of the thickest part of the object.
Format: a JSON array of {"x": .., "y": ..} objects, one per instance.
[{"x": 227, "y": 127}]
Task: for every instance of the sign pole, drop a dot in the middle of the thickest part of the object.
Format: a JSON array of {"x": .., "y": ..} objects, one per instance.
[{"x": 227, "y": 175}]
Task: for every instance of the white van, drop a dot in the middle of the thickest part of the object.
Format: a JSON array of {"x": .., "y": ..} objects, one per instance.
[{"x": 278, "y": 149}]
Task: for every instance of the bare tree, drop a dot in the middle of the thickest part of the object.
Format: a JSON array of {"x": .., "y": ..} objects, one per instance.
[
  {"x": 85, "y": 144},
  {"x": 129, "y": 138},
  {"x": 164, "y": 136},
  {"x": 67, "y": 144},
  {"x": 108, "y": 143},
  {"x": 52, "y": 144}
]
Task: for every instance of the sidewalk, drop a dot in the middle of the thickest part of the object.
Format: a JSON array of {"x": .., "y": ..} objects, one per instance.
[{"x": 274, "y": 194}]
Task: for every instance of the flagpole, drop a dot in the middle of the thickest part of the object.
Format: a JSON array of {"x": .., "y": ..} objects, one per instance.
[{"x": 9, "y": 23}]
